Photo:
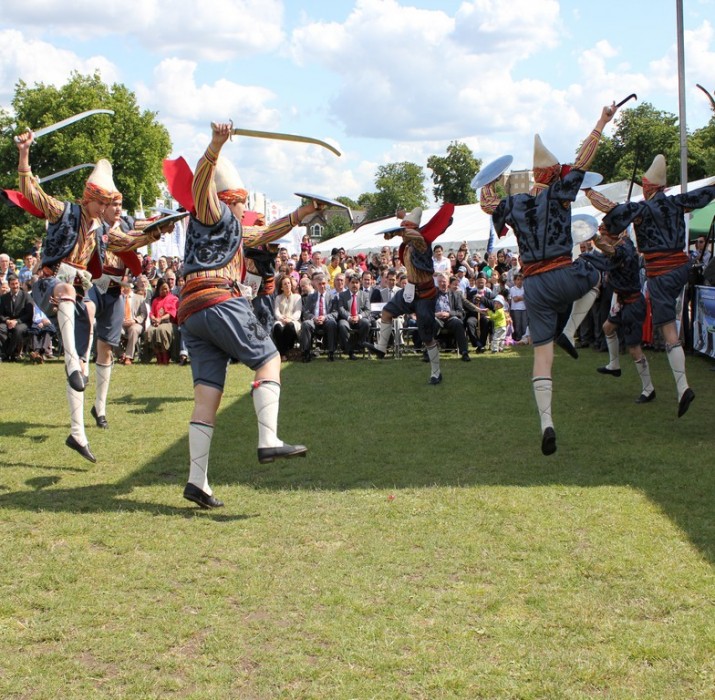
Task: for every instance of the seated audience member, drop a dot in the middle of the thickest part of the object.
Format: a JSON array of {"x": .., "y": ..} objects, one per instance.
[
  {"x": 303, "y": 264},
  {"x": 16, "y": 311},
  {"x": 305, "y": 287},
  {"x": 462, "y": 280},
  {"x": 135, "y": 317},
  {"x": 41, "y": 333},
  {"x": 318, "y": 317},
  {"x": 289, "y": 307},
  {"x": 162, "y": 320},
  {"x": 478, "y": 324},
  {"x": 317, "y": 265},
  {"x": 353, "y": 315},
  {"x": 340, "y": 283},
  {"x": 449, "y": 315}
]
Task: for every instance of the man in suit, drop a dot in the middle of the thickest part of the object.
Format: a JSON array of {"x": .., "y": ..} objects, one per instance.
[
  {"x": 353, "y": 315},
  {"x": 319, "y": 316},
  {"x": 478, "y": 325},
  {"x": 449, "y": 313},
  {"x": 15, "y": 318},
  {"x": 135, "y": 315}
]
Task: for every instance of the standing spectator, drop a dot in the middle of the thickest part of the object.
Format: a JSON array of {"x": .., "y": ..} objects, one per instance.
[{"x": 518, "y": 307}]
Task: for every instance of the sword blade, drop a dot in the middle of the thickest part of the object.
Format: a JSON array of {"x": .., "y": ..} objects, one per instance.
[
  {"x": 67, "y": 171},
  {"x": 70, "y": 120},
  {"x": 284, "y": 137},
  {"x": 632, "y": 96}
]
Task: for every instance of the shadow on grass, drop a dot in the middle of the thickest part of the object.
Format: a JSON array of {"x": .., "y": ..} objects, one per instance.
[{"x": 379, "y": 425}]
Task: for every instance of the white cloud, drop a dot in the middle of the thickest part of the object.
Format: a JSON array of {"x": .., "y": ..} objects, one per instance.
[
  {"x": 215, "y": 31},
  {"x": 36, "y": 61}
]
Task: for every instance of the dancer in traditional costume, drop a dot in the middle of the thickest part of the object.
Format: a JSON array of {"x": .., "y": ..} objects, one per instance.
[
  {"x": 553, "y": 282},
  {"x": 122, "y": 236},
  {"x": 621, "y": 262},
  {"x": 218, "y": 322},
  {"x": 418, "y": 296},
  {"x": 659, "y": 225},
  {"x": 70, "y": 244}
]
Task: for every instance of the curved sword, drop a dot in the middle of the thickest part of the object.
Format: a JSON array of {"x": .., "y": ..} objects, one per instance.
[
  {"x": 67, "y": 171},
  {"x": 283, "y": 137},
  {"x": 66, "y": 122},
  {"x": 710, "y": 97}
]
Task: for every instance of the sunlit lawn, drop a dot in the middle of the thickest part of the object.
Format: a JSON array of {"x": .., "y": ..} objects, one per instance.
[{"x": 424, "y": 549}]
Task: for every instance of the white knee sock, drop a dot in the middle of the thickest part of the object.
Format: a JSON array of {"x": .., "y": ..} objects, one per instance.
[
  {"x": 644, "y": 372},
  {"x": 104, "y": 372},
  {"x": 200, "y": 436},
  {"x": 613, "y": 352},
  {"x": 543, "y": 387},
  {"x": 88, "y": 354},
  {"x": 676, "y": 358},
  {"x": 384, "y": 335},
  {"x": 65, "y": 321},
  {"x": 266, "y": 399},
  {"x": 75, "y": 399},
  {"x": 433, "y": 354},
  {"x": 578, "y": 312}
]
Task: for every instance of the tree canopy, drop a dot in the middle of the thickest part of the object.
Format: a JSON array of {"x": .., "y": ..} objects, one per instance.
[
  {"x": 132, "y": 140},
  {"x": 453, "y": 174}
]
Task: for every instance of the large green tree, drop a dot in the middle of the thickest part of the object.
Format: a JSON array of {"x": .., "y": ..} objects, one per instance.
[
  {"x": 643, "y": 132},
  {"x": 452, "y": 174},
  {"x": 132, "y": 140},
  {"x": 398, "y": 185}
]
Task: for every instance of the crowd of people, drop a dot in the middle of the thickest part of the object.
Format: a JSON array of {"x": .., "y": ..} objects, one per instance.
[{"x": 150, "y": 300}]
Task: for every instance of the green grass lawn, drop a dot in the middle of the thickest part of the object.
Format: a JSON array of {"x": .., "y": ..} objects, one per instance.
[{"x": 424, "y": 549}]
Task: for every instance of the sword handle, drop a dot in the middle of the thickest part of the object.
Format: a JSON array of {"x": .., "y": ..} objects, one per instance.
[{"x": 18, "y": 139}]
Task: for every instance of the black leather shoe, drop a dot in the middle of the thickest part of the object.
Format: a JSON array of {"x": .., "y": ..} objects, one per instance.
[
  {"x": 646, "y": 398},
  {"x": 100, "y": 420},
  {"x": 194, "y": 494},
  {"x": 331, "y": 357},
  {"x": 565, "y": 344},
  {"x": 270, "y": 454},
  {"x": 307, "y": 357},
  {"x": 436, "y": 380},
  {"x": 548, "y": 442},
  {"x": 375, "y": 350},
  {"x": 685, "y": 400},
  {"x": 76, "y": 380},
  {"x": 83, "y": 450},
  {"x": 465, "y": 357},
  {"x": 352, "y": 356},
  {"x": 612, "y": 372}
]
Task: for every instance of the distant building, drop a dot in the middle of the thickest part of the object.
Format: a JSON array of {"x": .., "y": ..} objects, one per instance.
[{"x": 519, "y": 181}]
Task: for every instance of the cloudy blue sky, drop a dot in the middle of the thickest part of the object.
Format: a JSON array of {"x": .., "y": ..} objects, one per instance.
[{"x": 383, "y": 80}]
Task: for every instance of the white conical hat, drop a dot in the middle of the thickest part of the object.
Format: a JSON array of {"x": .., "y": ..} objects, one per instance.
[
  {"x": 656, "y": 173},
  {"x": 226, "y": 176},
  {"x": 101, "y": 176},
  {"x": 415, "y": 216},
  {"x": 543, "y": 157}
]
